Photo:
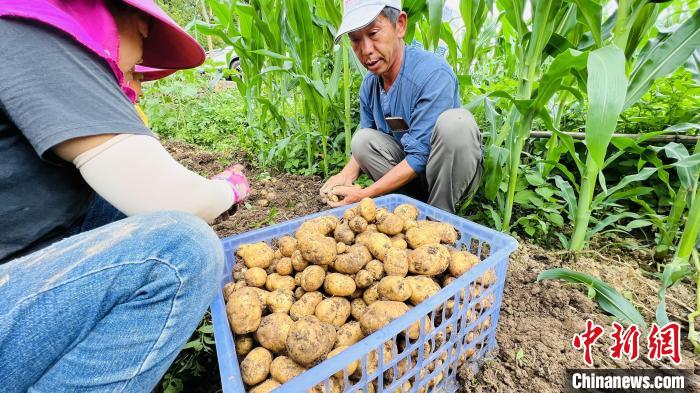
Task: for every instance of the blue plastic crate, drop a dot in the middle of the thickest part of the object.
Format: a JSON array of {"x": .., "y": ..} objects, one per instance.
[{"x": 467, "y": 334}]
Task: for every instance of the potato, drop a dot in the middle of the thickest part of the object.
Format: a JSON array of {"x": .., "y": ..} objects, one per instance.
[
  {"x": 381, "y": 214},
  {"x": 273, "y": 330},
  {"x": 371, "y": 294},
  {"x": 371, "y": 228},
  {"x": 344, "y": 234},
  {"x": 363, "y": 238},
  {"x": 349, "y": 334},
  {"x": 256, "y": 254},
  {"x": 280, "y": 300},
  {"x": 350, "y": 368},
  {"x": 358, "y": 307},
  {"x": 488, "y": 278},
  {"x": 363, "y": 279},
  {"x": 396, "y": 262},
  {"x": 334, "y": 310},
  {"x": 244, "y": 308},
  {"x": 321, "y": 225},
  {"x": 239, "y": 285},
  {"x": 408, "y": 224},
  {"x": 228, "y": 289},
  {"x": 341, "y": 248},
  {"x": 460, "y": 262},
  {"x": 367, "y": 209},
  {"x": 298, "y": 261},
  {"x": 338, "y": 284},
  {"x": 390, "y": 225},
  {"x": 349, "y": 214},
  {"x": 278, "y": 254},
  {"x": 318, "y": 249},
  {"x": 352, "y": 262},
  {"x": 273, "y": 267},
  {"x": 334, "y": 386},
  {"x": 407, "y": 211},
  {"x": 244, "y": 344},
  {"x": 394, "y": 288},
  {"x": 283, "y": 369},
  {"x": 376, "y": 268},
  {"x": 312, "y": 278},
  {"x": 422, "y": 287},
  {"x": 299, "y": 292},
  {"x": 373, "y": 358},
  {"x": 287, "y": 245},
  {"x": 284, "y": 266},
  {"x": 255, "y": 277},
  {"x": 256, "y": 366},
  {"x": 429, "y": 260},
  {"x": 399, "y": 241},
  {"x": 447, "y": 232},
  {"x": 416, "y": 237},
  {"x": 357, "y": 224},
  {"x": 378, "y": 244},
  {"x": 309, "y": 341},
  {"x": 305, "y": 306},
  {"x": 265, "y": 387},
  {"x": 358, "y": 292},
  {"x": 275, "y": 281}
]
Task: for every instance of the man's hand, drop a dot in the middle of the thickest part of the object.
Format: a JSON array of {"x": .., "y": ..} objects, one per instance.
[
  {"x": 338, "y": 180},
  {"x": 348, "y": 195}
]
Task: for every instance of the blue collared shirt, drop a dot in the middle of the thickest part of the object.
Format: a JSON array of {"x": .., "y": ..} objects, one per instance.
[{"x": 425, "y": 87}]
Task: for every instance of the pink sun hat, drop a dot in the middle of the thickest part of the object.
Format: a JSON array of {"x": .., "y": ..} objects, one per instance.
[
  {"x": 167, "y": 45},
  {"x": 151, "y": 74}
]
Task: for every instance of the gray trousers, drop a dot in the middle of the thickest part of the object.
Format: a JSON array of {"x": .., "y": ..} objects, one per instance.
[{"x": 454, "y": 165}]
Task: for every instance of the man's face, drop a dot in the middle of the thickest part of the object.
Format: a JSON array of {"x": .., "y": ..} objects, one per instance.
[{"x": 377, "y": 45}]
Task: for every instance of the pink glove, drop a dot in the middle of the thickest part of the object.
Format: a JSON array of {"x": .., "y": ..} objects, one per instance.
[{"x": 236, "y": 179}]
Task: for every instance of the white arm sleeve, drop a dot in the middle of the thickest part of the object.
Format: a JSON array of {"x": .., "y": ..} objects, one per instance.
[{"x": 137, "y": 175}]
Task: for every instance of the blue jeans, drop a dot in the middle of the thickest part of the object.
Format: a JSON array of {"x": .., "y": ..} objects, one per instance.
[{"x": 107, "y": 309}]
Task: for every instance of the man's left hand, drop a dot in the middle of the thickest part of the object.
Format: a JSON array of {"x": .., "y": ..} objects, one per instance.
[{"x": 349, "y": 194}]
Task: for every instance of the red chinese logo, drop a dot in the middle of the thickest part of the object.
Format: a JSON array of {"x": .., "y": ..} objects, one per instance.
[
  {"x": 665, "y": 342},
  {"x": 586, "y": 339},
  {"x": 626, "y": 342}
]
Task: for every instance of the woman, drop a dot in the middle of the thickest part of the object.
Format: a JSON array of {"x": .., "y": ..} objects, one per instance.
[{"x": 106, "y": 261}]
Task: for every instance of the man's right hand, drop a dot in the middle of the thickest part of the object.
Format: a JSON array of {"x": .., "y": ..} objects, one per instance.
[{"x": 338, "y": 180}]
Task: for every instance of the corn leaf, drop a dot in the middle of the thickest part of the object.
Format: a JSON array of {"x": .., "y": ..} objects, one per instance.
[{"x": 608, "y": 298}]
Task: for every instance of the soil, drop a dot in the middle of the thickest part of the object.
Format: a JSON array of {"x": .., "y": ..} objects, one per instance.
[{"x": 538, "y": 320}]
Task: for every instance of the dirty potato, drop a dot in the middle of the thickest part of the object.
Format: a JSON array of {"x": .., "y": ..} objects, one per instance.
[
  {"x": 317, "y": 248},
  {"x": 255, "y": 367},
  {"x": 298, "y": 261},
  {"x": 255, "y": 277},
  {"x": 344, "y": 234},
  {"x": 256, "y": 254},
  {"x": 357, "y": 224},
  {"x": 349, "y": 334},
  {"x": 276, "y": 281},
  {"x": 244, "y": 308},
  {"x": 280, "y": 300},
  {"x": 309, "y": 341},
  {"x": 376, "y": 268},
  {"x": 390, "y": 225},
  {"x": 312, "y": 278},
  {"x": 407, "y": 211},
  {"x": 283, "y": 369},
  {"x": 378, "y": 244},
  {"x": 306, "y": 305},
  {"x": 371, "y": 294},
  {"x": 379, "y": 314},
  {"x": 273, "y": 330},
  {"x": 394, "y": 288},
  {"x": 429, "y": 260},
  {"x": 367, "y": 209},
  {"x": 355, "y": 259},
  {"x": 363, "y": 279},
  {"x": 334, "y": 310},
  {"x": 422, "y": 287},
  {"x": 244, "y": 344},
  {"x": 396, "y": 262},
  {"x": 287, "y": 245},
  {"x": 265, "y": 387},
  {"x": 284, "y": 266},
  {"x": 416, "y": 237},
  {"x": 350, "y": 369},
  {"x": 358, "y": 307},
  {"x": 338, "y": 284}
]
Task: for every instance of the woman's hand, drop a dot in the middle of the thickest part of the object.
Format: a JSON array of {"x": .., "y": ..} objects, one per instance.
[{"x": 234, "y": 176}]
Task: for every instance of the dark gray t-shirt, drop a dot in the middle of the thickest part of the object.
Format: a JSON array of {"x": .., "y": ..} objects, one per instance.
[{"x": 52, "y": 89}]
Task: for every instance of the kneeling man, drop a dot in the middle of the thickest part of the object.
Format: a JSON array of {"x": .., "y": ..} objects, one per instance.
[{"x": 414, "y": 137}]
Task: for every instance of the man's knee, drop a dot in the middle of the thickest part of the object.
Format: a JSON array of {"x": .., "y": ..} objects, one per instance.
[
  {"x": 360, "y": 143},
  {"x": 190, "y": 245},
  {"x": 458, "y": 128}
]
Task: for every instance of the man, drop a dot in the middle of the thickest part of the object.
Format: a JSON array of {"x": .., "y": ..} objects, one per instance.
[{"x": 438, "y": 158}]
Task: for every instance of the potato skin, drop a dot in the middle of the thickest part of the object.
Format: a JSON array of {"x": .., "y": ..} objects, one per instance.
[
  {"x": 273, "y": 331},
  {"x": 350, "y": 369},
  {"x": 429, "y": 260},
  {"x": 344, "y": 234},
  {"x": 284, "y": 266},
  {"x": 255, "y": 277},
  {"x": 283, "y": 369},
  {"x": 363, "y": 279},
  {"x": 280, "y": 300},
  {"x": 407, "y": 211},
  {"x": 379, "y": 314},
  {"x": 309, "y": 341},
  {"x": 244, "y": 308},
  {"x": 358, "y": 307},
  {"x": 416, "y": 237},
  {"x": 390, "y": 225},
  {"x": 422, "y": 287},
  {"x": 265, "y": 387},
  {"x": 367, "y": 209},
  {"x": 355, "y": 259},
  {"x": 305, "y": 306},
  {"x": 256, "y": 254},
  {"x": 317, "y": 248},
  {"x": 275, "y": 281},
  {"x": 396, "y": 262},
  {"x": 378, "y": 244},
  {"x": 312, "y": 278},
  {"x": 334, "y": 310},
  {"x": 244, "y": 344},
  {"x": 338, "y": 284},
  {"x": 394, "y": 288},
  {"x": 255, "y": 367},
  {"x": 287, "y": 245},
  {"x": 349, "y": 334},
  {"x": 376, "y": 268},
  {"x": 371, "y": 294},
  {"x": 358, "y": 224},
  {"x": 298, "y": 261}
]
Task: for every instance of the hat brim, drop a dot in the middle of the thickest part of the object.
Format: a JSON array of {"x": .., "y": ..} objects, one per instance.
[
  {"x": 151, "y": 74},
  {"x": 358, "y": 19},
  {"x": 167, "y": 44}
]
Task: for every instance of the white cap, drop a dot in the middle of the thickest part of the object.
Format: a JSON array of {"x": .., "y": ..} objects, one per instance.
[{"x": 360, "y": 13}]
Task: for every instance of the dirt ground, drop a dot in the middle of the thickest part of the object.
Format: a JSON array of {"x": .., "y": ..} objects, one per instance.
[{"x": 538, "y": 319}]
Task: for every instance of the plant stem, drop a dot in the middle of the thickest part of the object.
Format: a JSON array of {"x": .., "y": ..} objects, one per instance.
[
  {"x": 692, "y": 227},
  {"x": 346, "y": 92},
  {"x": 583, "y": 209},
  {"x": 692, "y": 334},
  {"x": 672, "y": 222}
]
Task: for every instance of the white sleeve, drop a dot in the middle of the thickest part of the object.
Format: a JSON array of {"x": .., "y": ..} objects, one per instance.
[{"x": 137, "y": 175}]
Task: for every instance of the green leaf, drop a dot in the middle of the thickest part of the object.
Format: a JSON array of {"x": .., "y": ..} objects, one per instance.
[
  {"x": 271, "y": 54},
  {"x": 664, "y": 58},
  {"x": 644, "y": 174},
  {"x": 568, "y": 194},
  {"x": 607, "y": 85},
  {"x": 435, "y": 16},
  {"x": 608, "y": 298}
]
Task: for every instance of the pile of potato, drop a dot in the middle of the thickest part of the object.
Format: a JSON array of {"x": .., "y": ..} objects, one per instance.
[{"x": 335, "y": 282}]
